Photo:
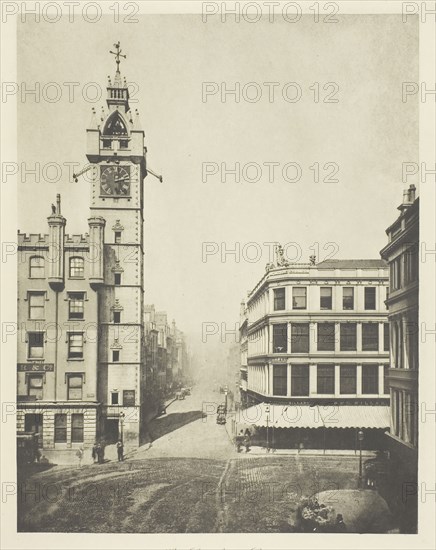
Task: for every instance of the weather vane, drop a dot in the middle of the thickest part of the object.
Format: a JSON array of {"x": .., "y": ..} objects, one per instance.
[{"x": 118, "y": 54}]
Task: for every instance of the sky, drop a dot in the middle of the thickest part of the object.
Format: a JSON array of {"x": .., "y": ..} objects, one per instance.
[{"x": 368, "y": 133}]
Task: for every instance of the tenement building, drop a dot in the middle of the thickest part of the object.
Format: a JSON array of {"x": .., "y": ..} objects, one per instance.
[
  {"x": 318, "y": 353},
  {"x": 81, "y": 352},
  {"x": 402, "y": 254}
]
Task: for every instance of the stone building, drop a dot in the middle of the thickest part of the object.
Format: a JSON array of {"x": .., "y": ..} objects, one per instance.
[
  {"x": 58, "y": 302},
  {"x": 402, "y": 255},
  {"x": 318, "y": 353},
  {"x": 81, "y": 352}
]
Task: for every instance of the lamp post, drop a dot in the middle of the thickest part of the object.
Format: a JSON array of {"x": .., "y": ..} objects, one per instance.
[
  {"x": 122, "y": 415},
  {"x": 267, "y": 428},
  {"x": 360, "y": 437}
]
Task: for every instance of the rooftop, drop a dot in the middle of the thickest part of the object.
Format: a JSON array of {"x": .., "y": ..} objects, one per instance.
[{"x": 352, "y": 264}]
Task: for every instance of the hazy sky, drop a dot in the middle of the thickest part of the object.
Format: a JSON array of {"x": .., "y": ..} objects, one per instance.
[{"x": 368, "y": 134}]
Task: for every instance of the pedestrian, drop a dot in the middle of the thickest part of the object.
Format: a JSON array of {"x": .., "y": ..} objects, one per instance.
[
  {"x": 247, "y": 440},
  {"x": 99, "y": 451},
  {"x": 94, "y": 452},
  {"x": 79, "y": 455},
  {"x": 120, "y": 450},
  {"x": 340, "y": 525}
]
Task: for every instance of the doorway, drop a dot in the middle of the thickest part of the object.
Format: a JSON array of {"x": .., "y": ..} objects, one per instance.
[{"x": 34, "y": 423}]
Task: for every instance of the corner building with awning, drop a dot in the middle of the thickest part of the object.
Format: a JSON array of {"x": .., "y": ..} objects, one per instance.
[{"x": 318, "y": 355}]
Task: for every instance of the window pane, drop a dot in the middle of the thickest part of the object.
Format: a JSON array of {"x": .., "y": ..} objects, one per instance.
[
  {"x": 369, "y": 297},
  {"x": 36, "y": 305},
  {"x": 280, "y": 337},
  {"x": 369, "y": 378},
  {"x": 76, "y": 428},
  {"x": 114, "y": 398},
  {"x": 326, "y": 337},
  {"x": 348, "y": 298},
  {"x": 117, "y": 316},
  {"x": 37, "y": 267},
  {"x": 299, "y": 380},
  {"x": 370, "y": 336},
  {"x": 117, "y": 278},
  {"x": 300, "y": 337},
  {"x": 60, "y": 435},
  {"x": 348, "y": 336},
  {"x": 76, "y": 267},
  {"x": 386, "y": 379},
  {"x": 386, "y": 336},
  {"x": 76, "y": 305},
  {"x": 299, "y": 297},
  {"x": 280, "y": 379},
  {"x": 325, "y": 379},
  {"x": 35, "y": 385},
  {"x": 326, "y": 298},
  {"x": 36, "y": 345},
  {"x": 75, "y": 346},
  {"x": 279, "y": 299},
  {"x": 75, "y": 384},
  {"x": 348, "y": 383}
]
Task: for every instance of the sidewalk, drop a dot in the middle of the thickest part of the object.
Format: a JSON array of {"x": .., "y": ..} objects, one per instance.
[{"x": 307, "y": 452}]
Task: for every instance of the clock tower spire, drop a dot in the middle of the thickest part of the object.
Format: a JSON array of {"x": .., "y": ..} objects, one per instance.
[{"x": 116, "y": 151}]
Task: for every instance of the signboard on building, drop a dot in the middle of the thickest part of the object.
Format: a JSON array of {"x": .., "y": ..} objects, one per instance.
[{"x": 35, "y": 367}]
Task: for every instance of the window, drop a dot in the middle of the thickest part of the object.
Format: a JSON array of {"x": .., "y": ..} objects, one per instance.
[
  {"x": 115, "y": 126},
  {"x": 77, "y": 267},
  {"x": 75, "y": 345},
  {"x": 129, "y": 398},
  {"x": 299, "y": 380},
  {"x": 326, "y": 337},
  {"x": 117, "y": 279},
  {"x": 60, "y": 429},
  {"x": 395, "y": 273},
  {"x": 107, "y": 143},
  {"x": 280, "y": 337},
  {"x": 115, "y": 356},
  {"x": 37, "y": 305},
  {"x": 299, "y": 295},
  {"x": 325, "y": 378},
  {"x": 77, "y": 428},
  {"x": 279, "y": 299},
  {"x": 280, "y": 379},
  {"x": 411, "y": 264},
  {"x": 117, "y": 237},
  {"x": 115, "y": 396},
  {"x": 124, "y": 144},
  {"x": 326, "y": 297},
  {"x": 75, "y": 386},
  {"x": 300, "y": 337},
  {"x": 369, "y": 379},
  {"x": 35, "y": 385},
  {"x": 386, "y": 379},
  {"x": 117, "y": 317},
  {"x": 348, "y": 297},
  {"x": 369, "y": 336},
  {"x": 386, "y": 336},
  {"x": 369, "y": 297},
  {"x": 36, "y": 345},
  {"x": 348, "y": 340},
  {"x": 348, "y": 379},
  {"x": 76, "y": 306},
  {"x": 37, "y": 267}
]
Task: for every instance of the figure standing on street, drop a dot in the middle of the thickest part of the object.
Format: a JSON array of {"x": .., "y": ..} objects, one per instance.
[
  {"x": 247, "y": 440},
  {"x": 94, "y": 452},
  {"x": 100, "y": 456},
  {"x": 120, "y": 450},
  {"x": 79, "y": 455},
  {"x": 340, "y": 525}
]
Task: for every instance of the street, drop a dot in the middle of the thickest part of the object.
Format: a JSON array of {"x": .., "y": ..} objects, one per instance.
[{"x": 191, "y": 480}]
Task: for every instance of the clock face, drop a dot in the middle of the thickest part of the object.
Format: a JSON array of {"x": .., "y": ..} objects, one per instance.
[{"x": 115, "y": 181}]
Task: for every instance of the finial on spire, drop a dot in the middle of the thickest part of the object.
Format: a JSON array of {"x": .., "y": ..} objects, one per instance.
[{"x": 117, "y": 55}]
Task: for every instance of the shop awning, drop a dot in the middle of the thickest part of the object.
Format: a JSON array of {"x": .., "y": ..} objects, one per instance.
[
  {"x": 316, "y": 416},
  {"x": 355, "y": 416}
]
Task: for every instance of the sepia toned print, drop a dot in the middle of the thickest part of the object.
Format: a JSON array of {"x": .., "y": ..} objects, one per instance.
[{"x": 219, "y": 263}]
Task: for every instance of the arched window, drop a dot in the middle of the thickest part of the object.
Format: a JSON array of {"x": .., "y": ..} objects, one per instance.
[
  {"x": 77, "y": 267},
  {"x": 115, "y": 126},
  {"x": 37, "y": 267}
]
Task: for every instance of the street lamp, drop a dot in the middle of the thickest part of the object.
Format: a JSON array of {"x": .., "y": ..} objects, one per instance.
[
  {"x": 360, "y": 437},
  {"x": 122, "y": 415},
  {"x": 267, "y": 430}
]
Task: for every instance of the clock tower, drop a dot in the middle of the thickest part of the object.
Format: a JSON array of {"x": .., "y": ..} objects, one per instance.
[{"x": 116, "y": 151}]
